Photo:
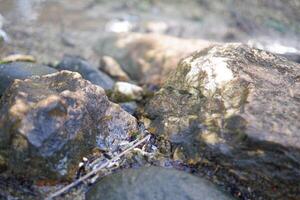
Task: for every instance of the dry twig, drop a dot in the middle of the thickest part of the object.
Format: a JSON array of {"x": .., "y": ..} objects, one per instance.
[{"x": 95, "y": 171}]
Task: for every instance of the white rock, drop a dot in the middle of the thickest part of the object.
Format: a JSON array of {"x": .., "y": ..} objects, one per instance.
[
  {"x": 124, "y": 91},
  {"x": 3, "y": 35}
]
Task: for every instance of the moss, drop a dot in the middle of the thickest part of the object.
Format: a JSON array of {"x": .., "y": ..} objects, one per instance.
[
  {"x": 3, "y": 62},
  {"x": 134, "y": 134},
  {"x": 120, "y": 98},
  {"x": 107, "y": 118}
]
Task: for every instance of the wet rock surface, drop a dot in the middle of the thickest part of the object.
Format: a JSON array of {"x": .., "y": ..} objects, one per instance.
[
  {"x": 49, "y": 123},
  {"x": 88, "y": 72},
  {"x": 236, "y": 108},
  {"x": 148, "y": 58},
  {"x": 154, "y": 183},
  {"x": 20, "y": 70}
]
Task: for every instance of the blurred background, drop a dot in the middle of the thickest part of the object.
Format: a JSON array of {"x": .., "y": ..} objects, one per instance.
[{"x": 48, "y": 29}]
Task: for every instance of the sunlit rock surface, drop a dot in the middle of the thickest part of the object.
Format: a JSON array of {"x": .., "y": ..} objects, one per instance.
[
  {"x": 236, "y": 107},
  {"x": 154, "y": 183},
  {"x": 124, "y": 91},
  {"x": 148, "y": 58},
  {"x": 49, "y": 123},
  {"x": 20, "y": 70}
]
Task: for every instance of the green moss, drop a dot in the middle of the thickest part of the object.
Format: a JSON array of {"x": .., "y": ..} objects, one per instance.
[
  {"x": 120, "y": 98},
  {"x": 134, "y": 134},
  {"x": 2, "y": 62}
]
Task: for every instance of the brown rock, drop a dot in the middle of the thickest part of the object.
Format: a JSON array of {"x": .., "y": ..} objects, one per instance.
[
  {"x": 48, "y": 123},
  {"x": 148, "y": 58},
  {"x": 112, "y": 68},
  {"x": 237, "y": 108}
]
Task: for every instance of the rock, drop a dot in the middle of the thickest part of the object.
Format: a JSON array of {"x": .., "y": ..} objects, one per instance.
[
  {"x": 89, "y": 72},
  {"x": 112, "y": 67},
  {"x": 130, "y": 107},
  {"x": 154, "y": 183},
  {"x": 124, "y": 91},
  {"x": 240, "y": 106},
  {"x": 18, "y": 57},
  {"x": 156, "y": 27},
  {"x": 119, "y": 26},
  {"x": 1, "y": 21},
  {"x": 3, "y": 35},
  {"x": 20, "y": 70},
  {"x": 49, "y": 123},
  {"x": 288, "y": 52},
  {"x": 148, "y": 58},
  {"x": 292, "y": 56}
]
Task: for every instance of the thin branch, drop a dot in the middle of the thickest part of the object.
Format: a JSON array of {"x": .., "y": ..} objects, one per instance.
[{"x": 95, "y": 171}]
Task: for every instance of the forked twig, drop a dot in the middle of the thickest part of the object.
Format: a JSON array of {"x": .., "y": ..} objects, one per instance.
[{"x": 134, "y": 144}]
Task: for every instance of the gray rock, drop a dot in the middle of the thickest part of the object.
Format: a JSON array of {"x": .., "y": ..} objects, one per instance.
[
  {"x": 20, "y": 70},
  {"x": 49, "y": 123},
  {"x": 89, "y": 72},
  {"x": 241, "y": 106},
  {"x": 148, "y": 58},
  {"x": 292, "y": 56},
  {"x": 130, "y": 107},
  {"x": 1, "y": 21},
  {"x": 154, "y": 183}
]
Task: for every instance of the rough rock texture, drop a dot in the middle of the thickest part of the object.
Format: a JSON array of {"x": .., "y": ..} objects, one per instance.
[
  {"x": 237, "y": 108},
  {"x": 89, "y": 72},
  {"x": 48, "y": 123},
  {"x": 112, "y": 67},
  {"x": 148, "y": 57},
  {"x": 20, "y": 70},
  {"x": 154, "y": 183}
]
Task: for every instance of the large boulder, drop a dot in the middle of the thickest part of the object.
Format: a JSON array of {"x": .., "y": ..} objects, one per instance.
[
  {"x": 238, "y": 108},
  {"x": 154, "y": 183},
  {"x": 48, "y": 123},
  {"x": 148, "y": 58},
  {"x": 87, "y": 71},
  {"x": 20, "y": 70}
]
